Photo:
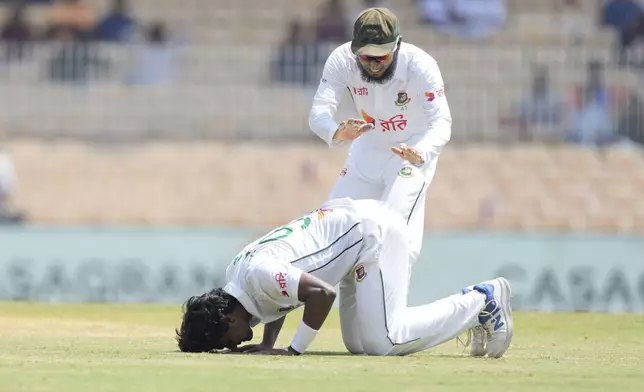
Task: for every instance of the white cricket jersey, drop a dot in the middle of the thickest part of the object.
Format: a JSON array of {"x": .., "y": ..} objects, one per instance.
[
  {"x": 410, "y": 108},
  {"x": 326, "y": 243}
]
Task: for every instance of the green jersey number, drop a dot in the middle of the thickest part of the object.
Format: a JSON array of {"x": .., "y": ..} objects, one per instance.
[
  {"x": 277, "y": 234},
  {"x": 285, "y": 231}
]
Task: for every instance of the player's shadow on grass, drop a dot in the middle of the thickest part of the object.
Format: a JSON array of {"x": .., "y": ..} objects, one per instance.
[
  {"x": 346, "y": 353},
  {"x": 329, "y": 353}
]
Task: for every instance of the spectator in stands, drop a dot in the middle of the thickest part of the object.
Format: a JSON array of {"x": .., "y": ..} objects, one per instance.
[
  {"x": 118, "y": 25},
  {"x": 541, "y": 115},
  {"x": 7, "y": 177},
  {"x": 16, "y": 34},
  {"x": 298, "y": 57},
  {"x": 155, "y": 59},
  {"x": 592, "y": 117},
  {"x": 470, "y": 18},
  {"x": 77, "y": 60},
  {"x": 619, "y": 13},
  {"x": 70, "y": 18},
  {"x": 331, "y": 25},
  {"x": 632, "y": 43},
  {"x": 623, "y": 16}
]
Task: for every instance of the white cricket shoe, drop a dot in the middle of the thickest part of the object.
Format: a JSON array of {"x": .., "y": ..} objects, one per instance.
[
  {"x": 494, "y": 334},
  {"x": 479, "y": 340}
]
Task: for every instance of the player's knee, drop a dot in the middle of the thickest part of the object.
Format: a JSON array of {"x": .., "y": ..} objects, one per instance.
[
  {"x": 355, "y": 349},
  {"x": 377, "y": 347},
  {"x": 352, "y": 343},
  {"x": 377, "y": 351}
]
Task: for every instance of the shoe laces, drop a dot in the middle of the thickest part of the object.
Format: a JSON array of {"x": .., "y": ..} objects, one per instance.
[
  {"x": 466, "y": 344},
  {"x": 492, "y": 317},
  {"x": 470, "y": 332}
]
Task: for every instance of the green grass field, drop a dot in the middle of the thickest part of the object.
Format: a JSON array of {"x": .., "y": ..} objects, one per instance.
[{"x": 45, "y": 347}]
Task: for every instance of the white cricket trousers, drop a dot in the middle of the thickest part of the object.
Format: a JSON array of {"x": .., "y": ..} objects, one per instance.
[
  {"x": 375, "y": 318},
  {"x": 405, "y": 192}
]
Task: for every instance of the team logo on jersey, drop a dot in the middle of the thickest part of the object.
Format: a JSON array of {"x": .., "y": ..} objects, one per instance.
[
  {"x": 286, "y": 308},
  {"x": 403, "y": 99},
  {"x": 406, "y": 172},
  {"x": 343, "y": 172},
  {"x": 360, "y": 273},
  {"x": 367, "y": 117}
]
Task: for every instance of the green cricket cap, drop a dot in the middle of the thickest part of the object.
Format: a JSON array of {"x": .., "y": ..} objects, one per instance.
[{"x": 375, "y": 32}]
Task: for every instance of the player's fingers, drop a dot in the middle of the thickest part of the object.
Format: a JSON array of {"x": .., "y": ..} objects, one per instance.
[
  {"x": 356, "y": 122},
  {"x": 248, "y": 348},
  {"x": 231, "y": 352},
  {"x": 410, "y": 151},
  {"x": 365, "y": 128},
  {"x": 398, "y": 151}
]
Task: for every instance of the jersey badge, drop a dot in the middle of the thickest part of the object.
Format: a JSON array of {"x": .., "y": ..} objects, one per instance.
[
  {"x": 403, "y": 99},
  {"x": 360, "y": 273}
]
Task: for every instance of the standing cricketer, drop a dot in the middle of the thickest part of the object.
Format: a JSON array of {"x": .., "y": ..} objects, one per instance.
[{"x": 398, "y": 89}]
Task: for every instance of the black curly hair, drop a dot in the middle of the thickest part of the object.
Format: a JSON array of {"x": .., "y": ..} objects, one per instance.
[{"x": 204, "y": 321}]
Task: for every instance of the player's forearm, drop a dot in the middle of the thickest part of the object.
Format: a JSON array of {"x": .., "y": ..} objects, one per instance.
[
  {"x": 322, "y": 123},
  {"x": 272, "y": 331},
  {"x": 318, "y": 297},
  {"x": 317, "y": 307}
]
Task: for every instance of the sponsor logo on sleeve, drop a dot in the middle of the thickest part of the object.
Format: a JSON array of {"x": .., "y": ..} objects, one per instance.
[
  {"x": 432, "y": 95},
  {"x": 280, "y": 278}
]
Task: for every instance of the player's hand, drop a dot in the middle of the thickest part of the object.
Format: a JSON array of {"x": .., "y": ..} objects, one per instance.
[
  {"x": 273, "y": 351},
  {"x": 351, "y": 129},
  {"x": 251, "y": 348},
  {"x": 409, "y": 154}
]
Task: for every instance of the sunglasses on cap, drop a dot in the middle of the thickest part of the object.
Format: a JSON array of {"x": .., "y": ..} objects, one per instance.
[{"x": 378, "y": 59}]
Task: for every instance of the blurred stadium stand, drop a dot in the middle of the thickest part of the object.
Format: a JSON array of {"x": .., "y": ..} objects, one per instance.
[{"x": 224, "y": 144}]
